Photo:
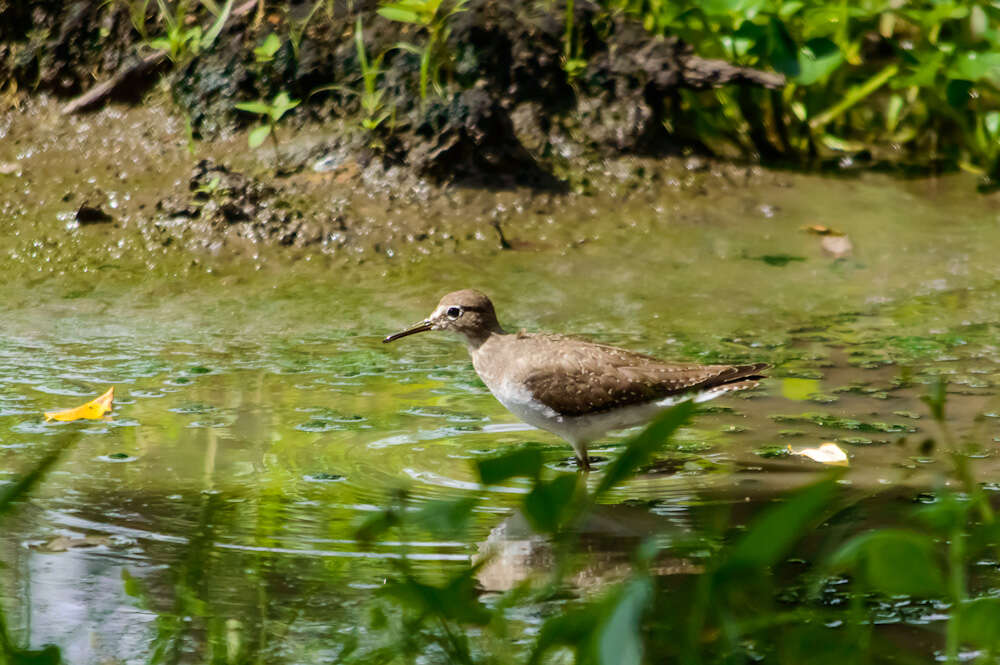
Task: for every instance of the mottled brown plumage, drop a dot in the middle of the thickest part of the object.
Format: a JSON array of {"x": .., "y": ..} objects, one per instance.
[
  {"x": 576, "y": 389},
  {"x": 574, "y": 377}
]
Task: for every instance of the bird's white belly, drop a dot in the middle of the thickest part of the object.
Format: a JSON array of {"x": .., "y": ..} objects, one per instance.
[
  {"x": 585, "y": 428},
  {"x": 518, "y": 400}
]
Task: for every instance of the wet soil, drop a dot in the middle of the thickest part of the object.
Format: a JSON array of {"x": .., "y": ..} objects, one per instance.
[
  {"x": 512, "y": 153},
  {"x": 122, "y": 184}
]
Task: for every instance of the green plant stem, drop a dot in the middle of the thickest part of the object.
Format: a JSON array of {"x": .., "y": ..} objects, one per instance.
[
  {"x": 425, "y": 63},
  {"x": 862, "y": 629},
  {"x": 568, "y": 46},
  {"x": 696, "y": 616},
  {"x": 298, "y": 29},
  {"x": 853, "y": 96},
  {"x": 459, "y": 652},
  {"x": 956, "y": 584},
  {"x": 274, "y": 142}
]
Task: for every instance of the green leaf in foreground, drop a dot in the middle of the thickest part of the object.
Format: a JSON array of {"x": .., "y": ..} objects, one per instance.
[
  {"x": 254, "y": 107},
  {"x": 257, "y": 135},
  {"x": 265, "y": 52},
  {"x": 606, "y": 632},
  {"x": 281, "y": 105},
  {"x": 618, "y": 640},
  {"x": 640, "y": 449},
  {"x": 376, "y": 524},
  {"x": 549, "y": 503},
  {"x": 571, "y": 628},
  {"x": 525, "y": 462},
  {"x": 976, "y": 65},
  {"x": 980, "y": 619},
  {"x": 457, "y": 600},
  {"x": 893, "y": 562},
  {"x": 446, "y": 518},
  {"x": 818, "y": 59},
  {"x": 399, "y": 14},
  {"x": 11, "y": 493},
  {"x": 770, "y": 536}
]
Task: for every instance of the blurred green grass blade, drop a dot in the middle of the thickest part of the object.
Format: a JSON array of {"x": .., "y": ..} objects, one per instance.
[
  {"x": 640, "y": 449},
  {"x": 10, "y": 494},
  {"x": 771, "y": 535},
  {"x": 217, "y": 26},
  {"x": 619, "y": 640},
  {"x": 854, "y": 96}
]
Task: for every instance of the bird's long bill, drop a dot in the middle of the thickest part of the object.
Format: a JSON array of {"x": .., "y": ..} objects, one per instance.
[{"x": 420, "y": 327}]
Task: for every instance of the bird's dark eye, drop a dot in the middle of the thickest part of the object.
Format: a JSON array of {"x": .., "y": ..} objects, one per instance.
[{"x": 454, "y": 312}]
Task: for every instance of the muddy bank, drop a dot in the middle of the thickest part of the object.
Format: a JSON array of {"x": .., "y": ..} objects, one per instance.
[
  {"x": 512, "y": 154},
  {"x": 120, "y": 187},
  {"x": 115, "y": 136},
  {"x": 509, "y": 100},
  {"x": 121, "y": 184}
]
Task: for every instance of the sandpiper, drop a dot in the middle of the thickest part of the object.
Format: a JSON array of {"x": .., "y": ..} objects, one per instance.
[{"x": 575, "y": 389}]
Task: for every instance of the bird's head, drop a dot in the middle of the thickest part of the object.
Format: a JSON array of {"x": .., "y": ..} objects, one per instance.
[{"x": 468, "y": 313}]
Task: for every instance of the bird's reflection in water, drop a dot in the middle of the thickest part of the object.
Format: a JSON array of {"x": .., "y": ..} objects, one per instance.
[{"x": 513, "y": 553}]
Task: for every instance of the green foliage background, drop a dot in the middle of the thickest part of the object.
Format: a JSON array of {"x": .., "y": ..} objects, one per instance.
[{"x": 900, "y": 79}]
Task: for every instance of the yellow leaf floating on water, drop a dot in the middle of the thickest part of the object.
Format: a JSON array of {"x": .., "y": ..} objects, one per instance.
[
  {"x": 827, "y": 453},
  {"x": 92, "y": 410}
]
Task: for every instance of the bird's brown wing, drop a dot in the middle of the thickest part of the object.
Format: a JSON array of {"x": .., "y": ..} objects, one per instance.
[{"x": 580, "y": 378}]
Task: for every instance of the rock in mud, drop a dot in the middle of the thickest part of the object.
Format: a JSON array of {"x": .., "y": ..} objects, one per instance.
[
  {"x": 90, "y": 214},
  {"x": 471, "y": 138}
]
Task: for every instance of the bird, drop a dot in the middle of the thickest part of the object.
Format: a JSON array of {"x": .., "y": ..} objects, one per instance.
[{"x": 575, "y": 389}]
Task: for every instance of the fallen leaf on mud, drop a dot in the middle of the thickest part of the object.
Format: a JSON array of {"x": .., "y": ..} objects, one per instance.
[
  {"x": 8, "y": 168},
  {"x": 821, "y": 230},
  {"x": 92, "y": 410},
  {"x": 827, "y": 453},
  {"x": 839, "y": 247}
]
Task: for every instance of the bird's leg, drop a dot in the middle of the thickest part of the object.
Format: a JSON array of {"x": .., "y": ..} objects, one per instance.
[{"x": 582, "y": 459}]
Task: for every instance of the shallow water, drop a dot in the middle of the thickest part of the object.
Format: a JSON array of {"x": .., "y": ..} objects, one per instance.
[{"x": 259, "y": 418}]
